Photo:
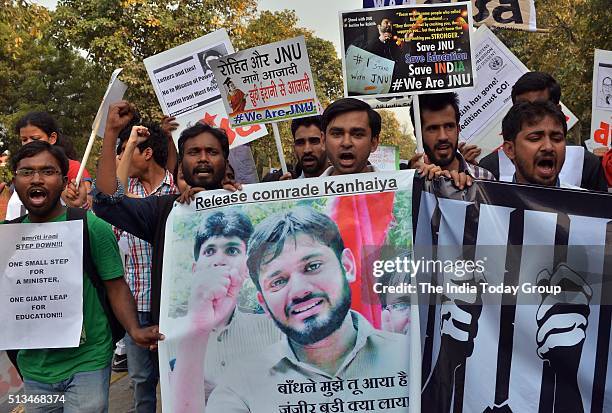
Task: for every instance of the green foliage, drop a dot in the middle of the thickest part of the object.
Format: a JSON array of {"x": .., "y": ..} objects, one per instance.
[
  {"x": 123, "y": 33},
  {"x": 6, "y": 175},
  {"x": 37, "y": 75},
  {"x": 576, "y": 28}
]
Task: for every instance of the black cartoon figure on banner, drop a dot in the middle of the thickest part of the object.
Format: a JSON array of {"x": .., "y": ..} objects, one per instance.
[{"x": 482, "y": 351}]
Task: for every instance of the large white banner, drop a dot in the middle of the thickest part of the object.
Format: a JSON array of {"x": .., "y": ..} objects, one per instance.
[
  {"x": 41, "y": 285},
  {"x": 229, "y": 331}
]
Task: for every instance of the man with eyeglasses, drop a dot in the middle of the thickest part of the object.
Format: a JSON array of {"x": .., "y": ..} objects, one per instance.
[{"x": 80, "y": 376}]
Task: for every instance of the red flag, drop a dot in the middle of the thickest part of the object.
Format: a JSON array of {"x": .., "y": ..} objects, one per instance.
[{"x": 363, "y": 221}]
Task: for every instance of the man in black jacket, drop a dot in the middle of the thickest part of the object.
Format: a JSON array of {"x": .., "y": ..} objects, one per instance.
[
  {"x": 534, "y": 86},
  {"x": 203, "y": 156}
]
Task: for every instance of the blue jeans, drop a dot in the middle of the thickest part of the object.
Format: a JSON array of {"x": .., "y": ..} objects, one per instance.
[
  {"x": 85, "y": 392},
  {"x": 143, "y": 369}
]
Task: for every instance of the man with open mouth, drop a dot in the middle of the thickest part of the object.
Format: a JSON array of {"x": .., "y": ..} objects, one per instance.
[
  {"x": 81, "y": 375},
  {"x": 351, "y": 130},
  {"x": 302, "y": 269},
  {"x": 531, "y": 87},
  {"x": 534, "y": 139},
  {"x": 203, "y": 153}
]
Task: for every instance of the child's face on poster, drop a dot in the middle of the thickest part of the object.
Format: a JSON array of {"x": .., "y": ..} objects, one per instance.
[{"x": 228, "y": 253}]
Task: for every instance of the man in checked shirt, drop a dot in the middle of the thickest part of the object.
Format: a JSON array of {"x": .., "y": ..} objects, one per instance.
[
  {"x": 142, "y": 169},
  {"x": 440, "y": 131}
]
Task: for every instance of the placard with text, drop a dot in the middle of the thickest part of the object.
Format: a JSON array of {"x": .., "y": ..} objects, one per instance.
[
  {"x": 41, "y": 285},
  {"x": 249, "y": 275},
  {"x": 267, "y": 83},
  {"x": 394, "y": 51},
  {"x": 186, "y": 88}
]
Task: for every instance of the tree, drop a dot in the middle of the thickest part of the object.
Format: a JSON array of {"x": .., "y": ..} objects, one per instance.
[
  {"x": 393, "y": 133},
  {"x": 576, "y": 28},
  {"x": 123, "y": 33},
  {"x": 36, "y": 75}
]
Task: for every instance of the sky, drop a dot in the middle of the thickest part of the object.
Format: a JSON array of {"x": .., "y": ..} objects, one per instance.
[
  {"x": 318, "y": 15},
  {"x": 321, "y": 16}
]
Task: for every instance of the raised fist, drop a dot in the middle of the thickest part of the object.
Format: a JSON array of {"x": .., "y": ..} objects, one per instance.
[
  {"x": 214, "y": 298},
  {"x": 460, "y": 311},
  {"x": 562, "y": 318},
  {"x": 119, "y": 115}
]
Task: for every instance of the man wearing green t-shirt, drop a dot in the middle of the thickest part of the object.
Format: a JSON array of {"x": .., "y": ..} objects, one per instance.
[{"x": 79, "y": 376}]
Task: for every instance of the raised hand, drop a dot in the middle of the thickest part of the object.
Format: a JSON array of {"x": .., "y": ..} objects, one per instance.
[
  {"x": 469, "y": 152},
  {"x": 119, "y": 115},
  {"x": 169, "y": 125},
  {"x": 214, "y": 298},
  {"x": 75, "y": 196}
]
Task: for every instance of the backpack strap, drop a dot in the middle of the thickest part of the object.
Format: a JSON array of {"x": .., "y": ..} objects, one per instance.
[
  {"x": 17, "y": 220},
  {"x": 12, "y": 354},
  {"x": 117, "y": 330},
  {"x": 74, "y": 214}
]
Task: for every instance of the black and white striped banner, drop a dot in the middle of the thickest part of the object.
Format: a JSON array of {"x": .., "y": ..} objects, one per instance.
[{"x": 482, "y": 356}]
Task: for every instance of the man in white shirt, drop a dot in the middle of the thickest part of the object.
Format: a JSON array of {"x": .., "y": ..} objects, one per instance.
[{"x": 351, "y": 129}]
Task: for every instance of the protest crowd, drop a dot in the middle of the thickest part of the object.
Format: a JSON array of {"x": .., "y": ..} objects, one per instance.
[{"x": 311, "y": 315}]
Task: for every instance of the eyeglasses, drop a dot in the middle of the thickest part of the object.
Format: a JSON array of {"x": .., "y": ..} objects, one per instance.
[{"x": 29, "y": 173}]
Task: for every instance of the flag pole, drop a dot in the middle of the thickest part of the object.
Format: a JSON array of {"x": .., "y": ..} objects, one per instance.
[
  {"x": 92, "y": 139},
  {"x": 279, "y": 147}
]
